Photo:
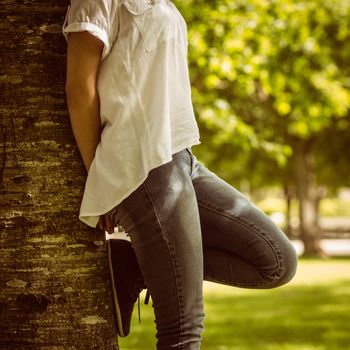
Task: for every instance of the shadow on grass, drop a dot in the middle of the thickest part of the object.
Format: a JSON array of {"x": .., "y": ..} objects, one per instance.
[{"x": 314, "y": 317}]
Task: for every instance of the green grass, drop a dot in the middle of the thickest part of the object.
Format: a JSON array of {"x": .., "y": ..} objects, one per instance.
[{"x": 310, "y": 313}]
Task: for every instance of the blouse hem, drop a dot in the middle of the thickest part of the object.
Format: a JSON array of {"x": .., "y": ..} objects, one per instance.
[{"x": 91, "y": 219}]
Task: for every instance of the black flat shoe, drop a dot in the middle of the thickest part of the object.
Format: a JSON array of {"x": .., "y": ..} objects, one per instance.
[{"x": 126, "y": 280}]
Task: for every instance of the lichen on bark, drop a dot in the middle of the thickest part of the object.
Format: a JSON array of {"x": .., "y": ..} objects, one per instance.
[{"x": 54, "y": 286}]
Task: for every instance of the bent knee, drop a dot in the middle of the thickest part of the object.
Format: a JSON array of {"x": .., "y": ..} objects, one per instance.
[{"x": 288, "y": 262}]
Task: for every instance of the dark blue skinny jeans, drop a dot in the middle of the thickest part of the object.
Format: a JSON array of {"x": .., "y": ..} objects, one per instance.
[{"x": 188, "y": 225}]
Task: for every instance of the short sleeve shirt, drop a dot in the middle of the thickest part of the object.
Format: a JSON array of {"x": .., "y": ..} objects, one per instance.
[{"x": 144, "y": 90}]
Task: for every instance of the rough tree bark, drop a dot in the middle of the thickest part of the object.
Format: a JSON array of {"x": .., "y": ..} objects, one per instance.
[
  {"x": 54, "y": 285},
  {"x": 308, "y": 198}
]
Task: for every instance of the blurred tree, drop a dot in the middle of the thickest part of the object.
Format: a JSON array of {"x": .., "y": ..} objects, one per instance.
[
  {"x": 270, "y": 82},
  {"x": 54, "y": 285}
]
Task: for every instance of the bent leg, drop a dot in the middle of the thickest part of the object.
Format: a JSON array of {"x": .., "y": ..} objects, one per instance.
[
  {"x": 242, "y": 246},
  {"x": 162, "y": 219}
]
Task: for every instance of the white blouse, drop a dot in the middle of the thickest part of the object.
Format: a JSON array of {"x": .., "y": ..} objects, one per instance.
[{"x": 145, "y": 96}]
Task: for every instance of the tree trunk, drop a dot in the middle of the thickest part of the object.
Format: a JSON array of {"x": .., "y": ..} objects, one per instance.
[
  {"x": 309, "y": 228},
  {"x": 55, "y": 288},
  {"x": 288, "y": 222}
]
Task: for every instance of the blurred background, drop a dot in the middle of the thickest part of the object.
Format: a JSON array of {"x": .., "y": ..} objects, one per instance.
[{"x": 271, "y": 91}]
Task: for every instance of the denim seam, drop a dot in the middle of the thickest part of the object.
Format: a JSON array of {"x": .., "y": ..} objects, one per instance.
[
  {"x": 172, "y": 261},
  {"x": 192, "y": 161},
  {"x": 238, "y": 284},
  {"x": 263, "y": 235}
]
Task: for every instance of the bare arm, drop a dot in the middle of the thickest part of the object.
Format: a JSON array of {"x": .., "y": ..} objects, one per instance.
[{"x": 83, "y": 59}]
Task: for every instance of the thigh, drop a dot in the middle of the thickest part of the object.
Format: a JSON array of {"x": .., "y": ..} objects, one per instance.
[
  {"x": 231, "y": 223},
  {"x": 162, "y": 219}
]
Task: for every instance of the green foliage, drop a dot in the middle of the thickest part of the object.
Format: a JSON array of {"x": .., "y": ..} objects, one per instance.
[
  {"x": 265, "y": 74},
  {"x": 335, "y": 207}
]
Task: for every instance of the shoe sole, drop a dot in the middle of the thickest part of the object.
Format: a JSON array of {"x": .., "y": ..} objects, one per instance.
[{"x": 114, "y": 292}]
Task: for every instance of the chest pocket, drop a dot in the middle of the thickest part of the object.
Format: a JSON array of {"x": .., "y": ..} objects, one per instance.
[{"x": 155, "y": 20}]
